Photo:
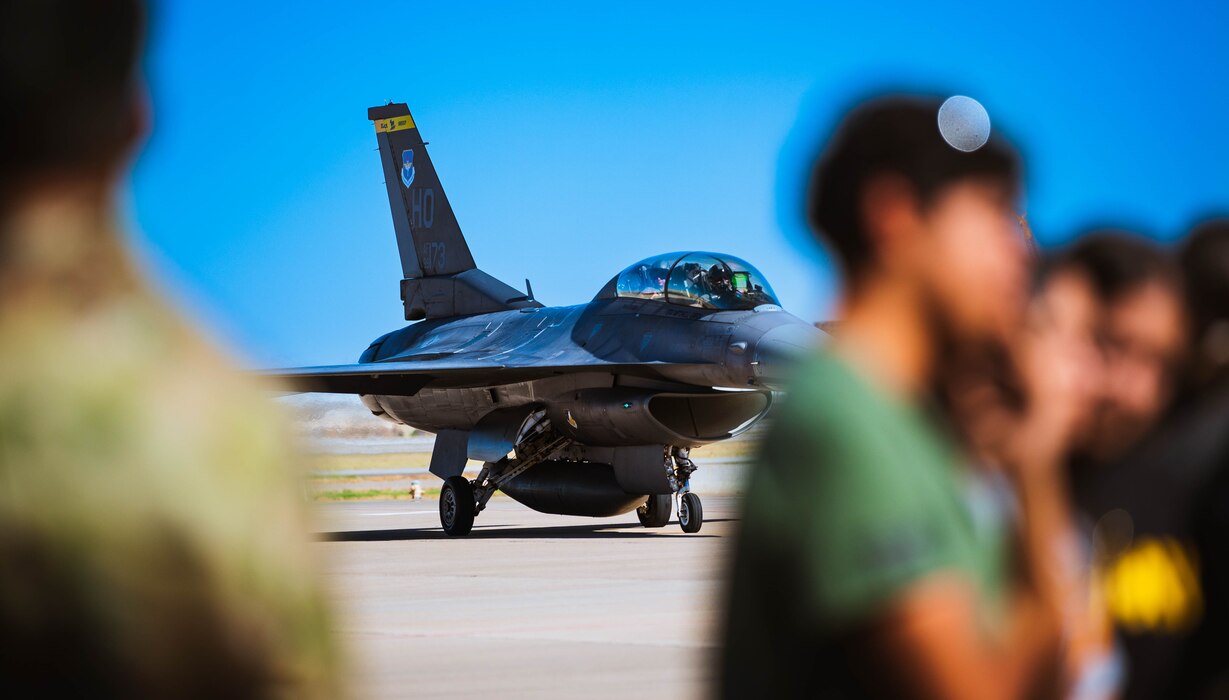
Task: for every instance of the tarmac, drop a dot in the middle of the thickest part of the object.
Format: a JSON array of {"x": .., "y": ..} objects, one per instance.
[{"x": 527, "y": 606}]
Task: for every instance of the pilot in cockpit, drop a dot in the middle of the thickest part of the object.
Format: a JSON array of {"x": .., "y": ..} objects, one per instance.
[
  {"x": 701, "y": 280},
  {"x": 658, "y": 276},
  {"x": 695, "y": 281},
  {"x": 651, "y": 282},
  {"x": 720, "y": 290}
]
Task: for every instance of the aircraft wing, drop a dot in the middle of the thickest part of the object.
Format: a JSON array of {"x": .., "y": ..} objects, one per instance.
[{"x": 407, "y": 378}]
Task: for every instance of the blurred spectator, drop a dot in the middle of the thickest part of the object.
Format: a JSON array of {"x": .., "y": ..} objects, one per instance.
[
  {"x": 1142, "y": 335},
  {"x": 1048, "y": 383},
  {"x": 1161, "y": 510},
  {"x": 870, "y": 564},
  {"x": 150, "y": 542},
  {"x": 1058, "y": 358},
  {"x": 1204, "y": 424},
  {"x": 1097, "y": 362},
  {"x": 1205, "y": 266}
]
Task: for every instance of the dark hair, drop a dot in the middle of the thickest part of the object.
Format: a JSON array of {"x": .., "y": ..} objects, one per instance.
[
  {"x": 1204, "y": 259},
  {"x": 897, "y": 135},
  {"x": 67, "y": 84},
  {"x": 1118, "y": 262}
]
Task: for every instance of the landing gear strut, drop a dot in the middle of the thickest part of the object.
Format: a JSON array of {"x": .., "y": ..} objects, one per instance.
[{"x": 690, "y": 510}]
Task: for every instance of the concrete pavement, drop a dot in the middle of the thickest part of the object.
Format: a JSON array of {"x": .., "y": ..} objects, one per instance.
[{"x": 528, "y": 606}]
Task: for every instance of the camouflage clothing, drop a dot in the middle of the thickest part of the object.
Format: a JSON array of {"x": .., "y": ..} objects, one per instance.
[{"x": 151, "y": 542}]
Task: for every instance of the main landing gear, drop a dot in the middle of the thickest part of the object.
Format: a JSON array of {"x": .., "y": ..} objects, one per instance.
[
  {"x": 457, "y": 506},
  {"x": 656, "y": 510},
  {"x": 461, "y": 500}
]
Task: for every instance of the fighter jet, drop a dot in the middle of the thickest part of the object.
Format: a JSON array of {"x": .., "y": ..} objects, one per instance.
[{"x": 584, "y": 410}]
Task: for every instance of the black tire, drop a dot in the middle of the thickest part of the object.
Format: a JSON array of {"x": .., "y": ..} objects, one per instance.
[
  {"x": 691, "y": 513},
  {"x": 457, "y": 506},
  {"x": 656, "y": 511}
]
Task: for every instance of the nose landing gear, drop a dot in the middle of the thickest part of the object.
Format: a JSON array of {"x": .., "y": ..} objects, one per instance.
[{"x": 656, "y": 510}]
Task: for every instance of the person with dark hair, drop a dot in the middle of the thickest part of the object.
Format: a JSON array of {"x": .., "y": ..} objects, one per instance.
[
  {"x": 151, "y": 544},
  {"x": 867, "y": 565},
  {"x": 1203, "y": 425},
  {"x": 1158, "y": 507},
  {"x": 1141, "y": 330},
  {"x": 1204, "y": 260},
  {"x": 69, "y": 102}
]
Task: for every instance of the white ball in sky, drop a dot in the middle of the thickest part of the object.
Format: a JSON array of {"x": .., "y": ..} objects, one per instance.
[{"x": 964, "y": 123}]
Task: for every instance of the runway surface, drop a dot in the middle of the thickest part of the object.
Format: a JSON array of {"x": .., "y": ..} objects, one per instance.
[{"x": 528, "y": 606}]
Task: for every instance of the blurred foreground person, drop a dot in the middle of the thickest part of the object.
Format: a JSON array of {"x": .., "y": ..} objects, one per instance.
[
  {"x": 1204, "y": 420},
  {"x": 1160, "y": 510},
  {"x": 1096, "y": 362},
  {"x": 1141, "y": 332},
  {"x": 150, "y": 542},
  {"x": 868, "y": 566},
  {"x": 1104, "y": 340},
  {"x": 1204, "y": 259}
]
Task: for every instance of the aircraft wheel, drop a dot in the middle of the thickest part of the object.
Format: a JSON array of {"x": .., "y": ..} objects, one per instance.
[
  {"x": 691, "y": 513},
  {"x": 457, "y": 507},
  {"x": 656, "y": 511}
]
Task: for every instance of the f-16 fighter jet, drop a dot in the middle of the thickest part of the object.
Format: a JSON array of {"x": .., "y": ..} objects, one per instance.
[{"x": 579, "y": 410}]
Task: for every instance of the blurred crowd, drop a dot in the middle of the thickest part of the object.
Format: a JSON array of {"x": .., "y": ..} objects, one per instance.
[{"x": 1007, "y": 474}]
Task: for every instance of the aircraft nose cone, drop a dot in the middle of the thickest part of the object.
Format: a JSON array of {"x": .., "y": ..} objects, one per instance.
[{"x": 780, "y": 348}]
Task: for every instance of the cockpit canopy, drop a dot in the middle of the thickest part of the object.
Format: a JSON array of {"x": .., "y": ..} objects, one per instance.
[{"x": 702, "y": 280}]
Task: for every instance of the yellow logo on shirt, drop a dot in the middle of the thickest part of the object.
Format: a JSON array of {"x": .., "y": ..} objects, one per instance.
[{"x": 1153, "y": 586}]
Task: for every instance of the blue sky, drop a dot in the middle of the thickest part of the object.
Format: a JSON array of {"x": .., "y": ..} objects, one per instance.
[{"x": 574, "y": 140}]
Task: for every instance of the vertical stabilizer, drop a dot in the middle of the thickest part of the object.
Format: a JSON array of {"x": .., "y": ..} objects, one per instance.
[
  {"x": 428, "y": 235},
  {"x": 440, "y": 279}
]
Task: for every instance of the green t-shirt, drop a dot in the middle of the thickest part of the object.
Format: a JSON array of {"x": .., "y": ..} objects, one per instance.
[{"x": 855, "y": 496}]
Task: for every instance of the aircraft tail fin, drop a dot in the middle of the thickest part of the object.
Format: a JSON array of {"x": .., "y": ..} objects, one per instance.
[{"x": 440, "y": 278}]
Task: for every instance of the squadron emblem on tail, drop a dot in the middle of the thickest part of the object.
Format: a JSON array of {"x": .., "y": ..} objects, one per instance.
[{"x": 407, "y": 167}]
